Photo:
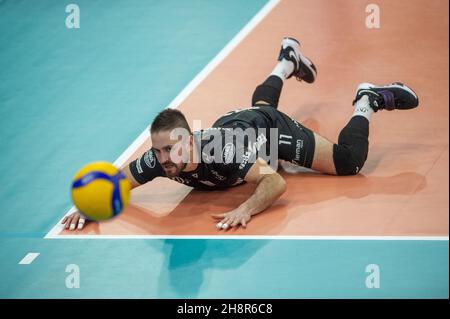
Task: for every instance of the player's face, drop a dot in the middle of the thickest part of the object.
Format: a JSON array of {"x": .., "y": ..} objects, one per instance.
[{"x": 169, "y": 153}]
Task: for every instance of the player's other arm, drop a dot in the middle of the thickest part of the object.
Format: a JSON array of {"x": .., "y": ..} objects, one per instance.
[{"x": 270, "y": 186}]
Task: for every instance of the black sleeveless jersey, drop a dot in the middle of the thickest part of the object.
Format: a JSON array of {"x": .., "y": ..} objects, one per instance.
[{"x": 225, "y": 155}]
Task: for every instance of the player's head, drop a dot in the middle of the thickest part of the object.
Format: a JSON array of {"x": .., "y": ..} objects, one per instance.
[{"x": 169, "y": 130}]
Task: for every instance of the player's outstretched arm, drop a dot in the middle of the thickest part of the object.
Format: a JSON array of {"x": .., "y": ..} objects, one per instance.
[
  {"x": 270, "y": 186},
  {"x": 126, "y": 170}
]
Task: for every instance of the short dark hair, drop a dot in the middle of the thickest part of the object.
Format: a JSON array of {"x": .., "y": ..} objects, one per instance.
[{"x": 168, "y": 120}]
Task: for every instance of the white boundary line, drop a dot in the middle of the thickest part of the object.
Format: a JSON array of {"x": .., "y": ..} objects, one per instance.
[
  {"x": 186, "y": 92},
  {"x": 250, "y": 237},
  {"x": 29, "y": 258}
]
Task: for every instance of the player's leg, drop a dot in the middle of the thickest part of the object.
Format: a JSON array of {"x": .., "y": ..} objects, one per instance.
[
  {"x": 291, "y": 62},
  {"x": 348, "y": 156}
]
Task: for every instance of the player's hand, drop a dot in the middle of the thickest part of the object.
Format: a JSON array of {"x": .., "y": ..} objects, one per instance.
[
  {"x": 74, "y": 221},
  {"x": 233, "y": 219}
]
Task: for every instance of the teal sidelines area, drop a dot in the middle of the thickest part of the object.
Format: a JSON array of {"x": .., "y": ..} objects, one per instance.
[
  {"x": 68, "y": 97},
  {"x": 226, "y": 268}
]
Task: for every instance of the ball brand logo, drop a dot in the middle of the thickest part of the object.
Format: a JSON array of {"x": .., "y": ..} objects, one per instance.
[{"x": 87, "y": 179}]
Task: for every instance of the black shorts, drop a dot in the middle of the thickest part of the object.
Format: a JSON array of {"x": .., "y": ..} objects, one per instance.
[{"x": 295, "y": 142}]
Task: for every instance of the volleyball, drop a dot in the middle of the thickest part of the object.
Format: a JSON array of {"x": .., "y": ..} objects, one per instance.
[{"x": 100, "y": 191}]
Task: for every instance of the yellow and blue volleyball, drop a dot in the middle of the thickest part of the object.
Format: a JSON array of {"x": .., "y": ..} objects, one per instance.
[{"x": 100, "y": 191}]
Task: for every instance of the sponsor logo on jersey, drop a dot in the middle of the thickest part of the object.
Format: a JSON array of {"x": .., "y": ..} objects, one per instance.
[
  {"x": 217, "y": 175},
  {"x": 297, "y": 124},
  {"x": 138, "y": 166},
  {"x": 207, "y": 183},
  {"x": 207, "y": 158},
  {"x": 228, "y": 153},
  {"x": 181, "y": 180},
  {"x": 149, "y": 159},
  {"x": 298, "y": 148},
  {"x": 245, "y": 159},
  {"x": 260, "y": 140}
]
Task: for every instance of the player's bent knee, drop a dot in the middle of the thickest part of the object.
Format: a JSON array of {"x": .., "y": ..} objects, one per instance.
[
  {"x": 350, "y": 154},
  {"x": 346, "y": 161}
]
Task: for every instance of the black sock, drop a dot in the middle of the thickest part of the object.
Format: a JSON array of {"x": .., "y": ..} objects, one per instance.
[{"x": 269, "y": 91}]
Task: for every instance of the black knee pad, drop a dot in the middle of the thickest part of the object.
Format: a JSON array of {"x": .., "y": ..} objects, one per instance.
[
  {"x": 344, "y": 161},
  {"x": 350, "y": 154}
]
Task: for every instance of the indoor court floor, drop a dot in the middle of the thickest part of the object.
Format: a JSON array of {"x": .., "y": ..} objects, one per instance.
[{"x": 73, "y": 96}]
